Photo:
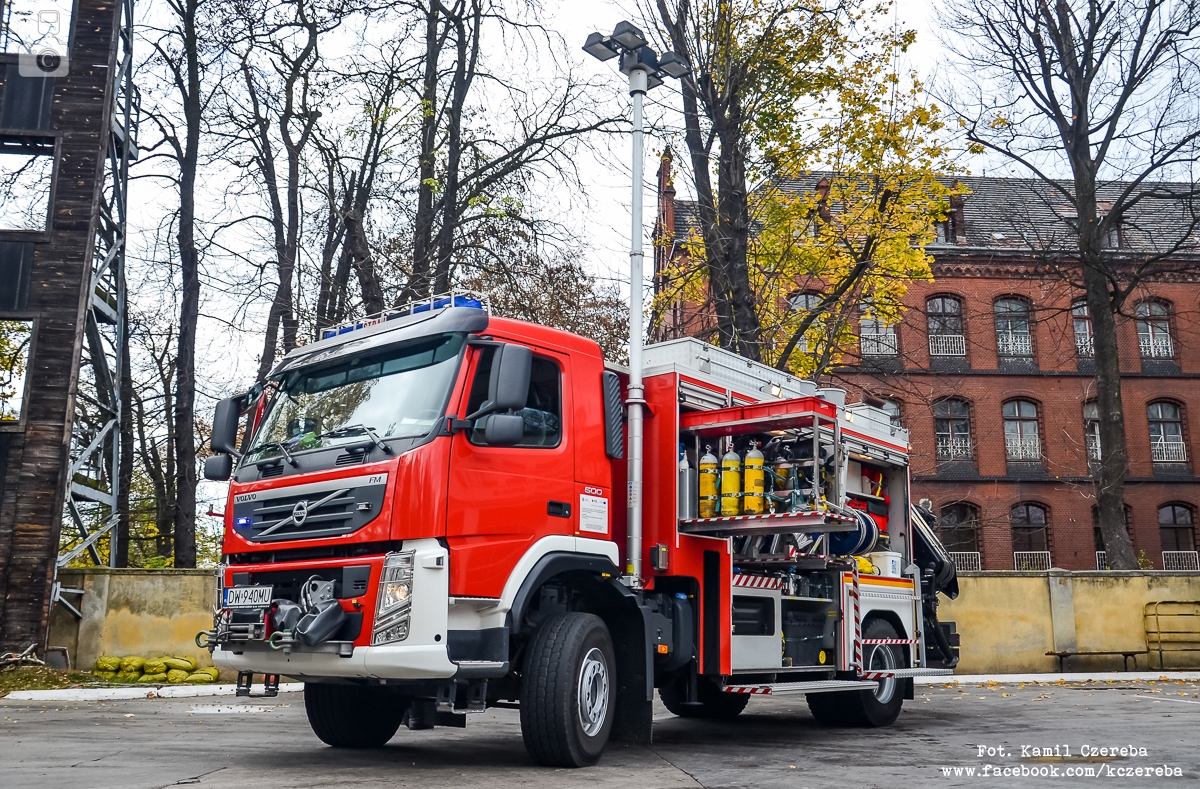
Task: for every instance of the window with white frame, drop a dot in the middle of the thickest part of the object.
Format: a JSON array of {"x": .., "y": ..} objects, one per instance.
[
  {"x": 952, "y": 429},
  {"x": 1154, "y": 330},
  {"x": 1084, "y": 344},
  {"x": 1166, "y": 432},
  {"x": 1012, "y": 328},
  {"x": 1091, "y": 429},
  {"x": 945, "y": 321},
  {"x": 1021, "y": 441}
]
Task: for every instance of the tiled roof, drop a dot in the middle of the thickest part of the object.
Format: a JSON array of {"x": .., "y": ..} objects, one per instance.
[{"x": 1023, "y": 214}]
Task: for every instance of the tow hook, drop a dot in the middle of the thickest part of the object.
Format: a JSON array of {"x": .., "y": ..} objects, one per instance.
[{"x": 210, "y": 637}]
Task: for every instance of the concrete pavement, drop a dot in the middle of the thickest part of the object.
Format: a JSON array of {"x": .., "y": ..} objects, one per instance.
[{"x": 266, "y": 743}]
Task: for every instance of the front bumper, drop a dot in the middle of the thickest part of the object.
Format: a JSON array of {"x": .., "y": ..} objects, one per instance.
[
  {"x": 393, "y": 661},
  {"x": 422, "y": 655}
]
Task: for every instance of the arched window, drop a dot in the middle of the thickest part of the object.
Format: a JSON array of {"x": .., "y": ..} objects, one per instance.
[
  {"x": 1030, "y": 528},
  {"x": 952, "y": 428},
  {"x": 945, "y": 317},
  {"x": 1091, "y": 429},
  {"x": 1021, "y": 431},
  {"x": 1176, "y": 527},
  {"x": 1154, "y": 330},
  {"x": 805, "y": 303},
  {"x": 1084, "y": 346},
  {"x": 1012, "y": 328},
  {"x": 958, "y": 527},
  {"x": 1166, "y": 432},
  {"x": 876, "y": 337}
]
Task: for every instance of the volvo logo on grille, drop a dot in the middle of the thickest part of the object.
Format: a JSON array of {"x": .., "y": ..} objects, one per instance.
[{"x": 300, "y": 512}]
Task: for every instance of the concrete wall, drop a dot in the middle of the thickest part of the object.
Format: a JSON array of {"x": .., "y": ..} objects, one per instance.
[
  {"x": 1008, "y": 621},
  {"x": 134, "y": 612}
]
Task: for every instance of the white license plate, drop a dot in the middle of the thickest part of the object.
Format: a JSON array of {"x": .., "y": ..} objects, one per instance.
[{"x": 248, "y": 596}]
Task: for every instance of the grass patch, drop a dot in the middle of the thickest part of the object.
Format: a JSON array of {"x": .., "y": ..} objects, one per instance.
[{"x": 43, "y": 678}]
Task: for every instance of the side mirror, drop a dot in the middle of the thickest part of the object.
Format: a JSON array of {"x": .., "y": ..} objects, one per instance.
[
  {"x": 508, "y": 382},
  {"x": 502, "y": 430},
  {"x": 218, "y": 468},
  {"x": 225, "y": 426},
  {"x": 508, "y": 387}
]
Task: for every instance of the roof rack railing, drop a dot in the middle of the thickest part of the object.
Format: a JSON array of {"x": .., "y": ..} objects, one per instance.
[{"x": 438, "y": 301}]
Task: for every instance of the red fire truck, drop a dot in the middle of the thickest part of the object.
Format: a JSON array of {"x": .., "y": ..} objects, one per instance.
[{"x": 427, "y": 517}]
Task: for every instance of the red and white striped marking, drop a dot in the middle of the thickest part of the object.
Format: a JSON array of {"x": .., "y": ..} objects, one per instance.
[
  {"x": 898, "y": 641},
  {"x": 758, "y": 582},
  {"x": 749, "y": 690},
  {"x": 858, "y": 658}
]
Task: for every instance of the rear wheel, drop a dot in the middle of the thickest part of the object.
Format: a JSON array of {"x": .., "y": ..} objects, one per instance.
[
  {"x": 714, "y": 702},
  {"x": 351, "y": 716},
  {"x": 866, "y": 708},
  {"x": 568, "y": 688}
]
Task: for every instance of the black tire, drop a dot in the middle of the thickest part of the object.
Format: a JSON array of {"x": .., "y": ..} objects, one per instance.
[
  {"x": 716, "y": 704},
  {"x": 351, "y": 716},
  {"x": 866, "y": 708},
  {"x": 569, "y": 675}
]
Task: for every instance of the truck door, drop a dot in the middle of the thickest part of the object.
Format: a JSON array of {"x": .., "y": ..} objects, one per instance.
[{"x": 503, "y": 499}]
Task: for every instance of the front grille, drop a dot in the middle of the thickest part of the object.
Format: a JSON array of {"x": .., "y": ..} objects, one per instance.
[{"x": 320, "y": 509}]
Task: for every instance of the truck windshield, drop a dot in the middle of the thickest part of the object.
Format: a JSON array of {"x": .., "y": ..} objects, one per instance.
[{"x": 398, "y": 393}]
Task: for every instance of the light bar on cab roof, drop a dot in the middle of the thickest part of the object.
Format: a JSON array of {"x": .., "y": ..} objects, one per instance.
[{"x": 455, "y": 298}]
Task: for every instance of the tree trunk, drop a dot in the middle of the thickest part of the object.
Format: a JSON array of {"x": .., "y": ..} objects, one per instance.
[
  {"x": 1109, "y": 474},
  {"x": 184, "y": 417},
  {"x": 734, "y": 221}
]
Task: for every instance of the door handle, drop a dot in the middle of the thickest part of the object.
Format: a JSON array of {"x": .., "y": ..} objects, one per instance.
[{"x": 559, "y": 509}]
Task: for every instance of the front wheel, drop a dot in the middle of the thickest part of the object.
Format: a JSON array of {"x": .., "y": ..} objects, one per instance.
[
  {"x": 568, "y": 688},
  {"x": 866, "y": 708},
  {"x": 352, "y": 716}
]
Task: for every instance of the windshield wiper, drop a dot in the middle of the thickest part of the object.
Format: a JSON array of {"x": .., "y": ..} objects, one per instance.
[
  {"x": 341, "y": 431},
  {"x": 274, "y": 445}
]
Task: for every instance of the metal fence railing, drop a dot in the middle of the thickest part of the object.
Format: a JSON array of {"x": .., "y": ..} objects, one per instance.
[
  {"x": 1156, "y": 347},
  {"x": 1015, "y": 344},
  {"x": 947, "y": 345},
  {"x": 1022, "y": 448},
  {"x": 1163, "y": 451},
  {"x": 1031, "y": 560},
  {"x": 879, "y": 344},
  {"x": 953, "y": 448},
  {"x": 1181, "y": 560},
  {"x": 1102, "y": 560},
  {"x": 966, "y": 561}
]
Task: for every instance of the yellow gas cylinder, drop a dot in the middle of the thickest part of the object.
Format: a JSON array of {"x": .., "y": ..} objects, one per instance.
[
  {"x": 708, "y": 484},
  {"x": 753, "y": 502},
  {"x": 731, "y": 483}
]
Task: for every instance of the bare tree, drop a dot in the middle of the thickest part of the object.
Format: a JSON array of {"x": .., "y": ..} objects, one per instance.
[
  {"x": 180, "y": 52},
  {"x": 1109, "y": 91}
]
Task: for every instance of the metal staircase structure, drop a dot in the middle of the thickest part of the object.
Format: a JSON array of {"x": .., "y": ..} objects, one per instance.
[{"x": 60, "y": 461}]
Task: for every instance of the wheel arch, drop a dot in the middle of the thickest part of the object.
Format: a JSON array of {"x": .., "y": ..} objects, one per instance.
[{"x": 595, "y": 578}]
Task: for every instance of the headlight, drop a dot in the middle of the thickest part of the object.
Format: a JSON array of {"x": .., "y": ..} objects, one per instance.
[
  {"x": 393, "y": 595},
  {"x": 394, "y": 605}
]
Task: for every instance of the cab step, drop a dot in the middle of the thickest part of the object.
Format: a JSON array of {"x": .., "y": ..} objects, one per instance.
[{"x": 245, "y": 682}]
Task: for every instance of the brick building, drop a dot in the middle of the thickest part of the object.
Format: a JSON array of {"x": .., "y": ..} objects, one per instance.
[{"x": 991, "y": 371}]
